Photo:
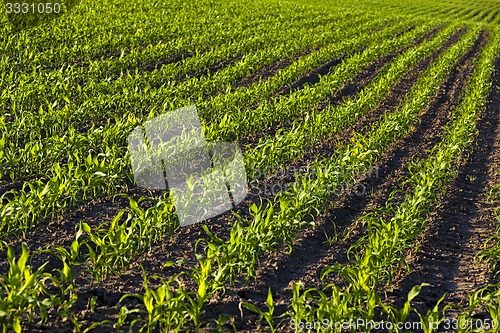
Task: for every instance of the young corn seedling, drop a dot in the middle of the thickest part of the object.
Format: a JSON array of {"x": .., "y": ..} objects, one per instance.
[
  {"x": 22, "y": 292},
  {"x": 201, "y": 275},
  {"x": 267, "y": 315},
  {"x": 65, "y": 275},
  {"x": 431, "y": 320},
  {"x": 165, "y": 306}
]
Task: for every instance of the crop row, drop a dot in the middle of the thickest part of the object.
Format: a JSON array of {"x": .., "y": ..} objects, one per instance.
[
  {"x": 222, "y": 262},
  {"x": 236, "y": 42},
  {"x": 271, "y": 113},
  {"x": 152, "y": 223},
  {"x": 24, "y": 89},
  {"x": 83, "y": 107},
  {"x": 487, "y": 297},
  {"x": 391, "y": 229},
  {"x": 279, "y": 222},
  {"x": 84, "y": 176},
  {"x": 80, "y": 144},
  {"x": 94, "y": 36},
  {"x": 291, "y": 144},
  {"x": 479, "y": 12},
  {"x": 52, "y": 124},
  {"x": 118, "y": 241}
]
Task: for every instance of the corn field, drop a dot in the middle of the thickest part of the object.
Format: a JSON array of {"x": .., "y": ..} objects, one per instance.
[{"x": 370, "y": 137}]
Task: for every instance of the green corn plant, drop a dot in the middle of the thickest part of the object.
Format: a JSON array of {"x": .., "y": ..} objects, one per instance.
[
  {"x": 492, "y": 305},
  {"x": 165, "y": 306},
  {"x": 306, "y": 195},
  {"x": 267, "y": 315},
  {"x": 22, "y": 292},
  {"x": 327, "y": 305},
  {"x": 41, "y": 136},
  {"x": 291, "y": 144},
  {"x": 201, "y": 275},
  {"x": 486, "y": 298},
  {"x": 57, "y": 113},
  {"x": 105, "y": 253},
  {"x": 112, "y": 246},
  {"x": 59, "y": 143},
  {"x": 431, "y": 320},
  {"x": 376, "y": 260},
  {"x": 63, "y": 278},
  {"x": 102, "y": 181},
  {"x": 387, "y": 239},
  {"x": 272, "y": 112}
]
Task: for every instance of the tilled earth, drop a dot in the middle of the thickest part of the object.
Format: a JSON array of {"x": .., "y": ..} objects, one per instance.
[{"x": 456, "y": 231}]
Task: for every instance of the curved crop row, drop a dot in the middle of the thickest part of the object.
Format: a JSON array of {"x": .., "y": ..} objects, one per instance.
[
  {"x": 55, "y": 125},
  {"x": 391, "y": 229},
  {"x": 89, "y": 175},
  {"x": 278, "y": 223}
]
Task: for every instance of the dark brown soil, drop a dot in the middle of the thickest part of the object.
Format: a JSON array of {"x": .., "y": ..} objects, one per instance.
[
  {"x": 178, "y": 246},
  {"x": 459, "y": 228},
  {"x": 464, "y": 215},
  {"x": 311, "y": 252},
  {"x": 165, "y": 61}
]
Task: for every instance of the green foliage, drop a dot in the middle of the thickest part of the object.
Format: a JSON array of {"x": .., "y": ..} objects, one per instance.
[
  {"x": 267, "y": 315},
  {"x": 23, "y": 292},
  {"x": 71, "y": 92},
  {"x": 164, "y": 307}
]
